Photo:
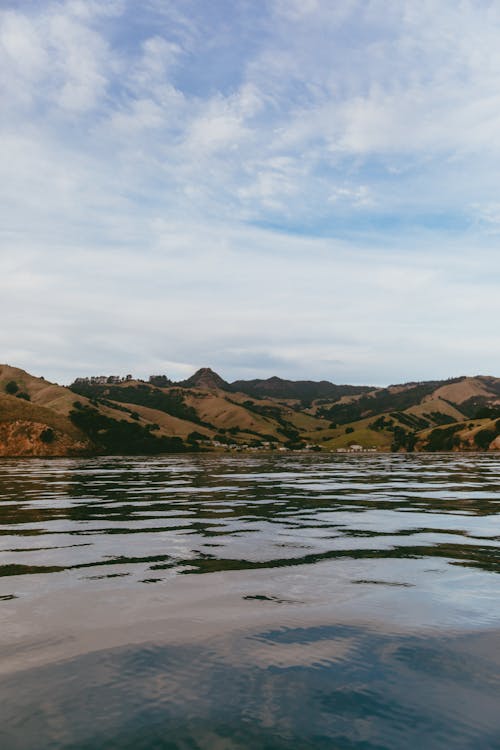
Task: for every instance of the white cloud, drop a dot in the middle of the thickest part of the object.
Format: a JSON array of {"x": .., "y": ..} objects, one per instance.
[
  {"x": 218, "y": 128},
  {"x": 23, "y": 59},
  {"x": 53, "y": 59},
  {"x": 80, "y": 63},
  {"x": 358, "y": 196}
]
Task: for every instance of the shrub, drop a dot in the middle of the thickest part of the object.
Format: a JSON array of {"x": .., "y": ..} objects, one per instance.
[
  {"x": 24, "y": 396},
  {"x": 47, "y": 435},
  {"x": 160, "y": 381},
  {"x": 193, "y": 437},
  {"x": 378, "y": 424},
  {"x": 11, "y": 387}
]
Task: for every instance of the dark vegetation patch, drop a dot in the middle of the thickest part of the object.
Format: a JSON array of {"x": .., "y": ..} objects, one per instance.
[
  {"x": 403, "y": 440},
  {"x": 160, "y": 381},
  {"x": 381, "y": 423},
  {"x": 476, "y": 404},
  {"x": 439, "y": 418},
  {"x": 382, "y": 401},
  {"x": 443, "y": 438},
  {"x": 488, "y": 412},
  {"x": 119, "y": 437},
  {"x": 483, "y": 438},
  {"x": 195, "y": 436},
  {"x": 411, "y": 420},
  {"x": 11, "y": 388}
]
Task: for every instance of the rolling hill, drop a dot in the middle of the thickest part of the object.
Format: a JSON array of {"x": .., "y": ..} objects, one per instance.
[{"x": 205, "y": 412}]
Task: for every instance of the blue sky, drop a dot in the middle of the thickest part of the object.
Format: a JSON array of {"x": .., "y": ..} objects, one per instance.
[{"x": 305, "y": 188}]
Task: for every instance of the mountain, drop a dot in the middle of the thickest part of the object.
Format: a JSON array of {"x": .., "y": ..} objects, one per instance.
[
  {"x": 205, "y": 379},
  {"x": 124, "y": 416}
]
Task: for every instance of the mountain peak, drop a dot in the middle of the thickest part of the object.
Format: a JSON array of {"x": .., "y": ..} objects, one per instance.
[{"x": 206, "y": 379}]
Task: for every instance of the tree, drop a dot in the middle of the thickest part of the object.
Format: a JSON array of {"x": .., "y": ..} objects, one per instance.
[
  {"x": 160, "y": 381},
  {"x": 11, "y": 387},
  {"x": 193, "y": 437},
  {"x": 483, "y": 438}
]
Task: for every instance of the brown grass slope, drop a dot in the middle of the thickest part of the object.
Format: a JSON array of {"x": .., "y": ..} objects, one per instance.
[
  {"x": 222, "y": 410},
  {"x": 169, "y": 425},
  {"x": 481, "y": 386}
]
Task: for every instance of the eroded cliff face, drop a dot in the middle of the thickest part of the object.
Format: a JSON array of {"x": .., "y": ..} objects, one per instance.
[{"x": 21, "y": 437}]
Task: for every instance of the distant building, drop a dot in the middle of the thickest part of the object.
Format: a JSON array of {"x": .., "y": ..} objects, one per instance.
[{"x": 354, "y": 448}]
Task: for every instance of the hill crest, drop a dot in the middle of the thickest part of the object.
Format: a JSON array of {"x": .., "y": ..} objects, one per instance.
[{"x": 205, "y": 379}]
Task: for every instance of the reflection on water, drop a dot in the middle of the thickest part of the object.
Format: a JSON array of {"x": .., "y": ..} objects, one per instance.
[{"x": 248, "y": 602}]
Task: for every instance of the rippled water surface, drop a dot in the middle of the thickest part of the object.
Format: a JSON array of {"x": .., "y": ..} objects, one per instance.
[{"x": 220, "y": 602}]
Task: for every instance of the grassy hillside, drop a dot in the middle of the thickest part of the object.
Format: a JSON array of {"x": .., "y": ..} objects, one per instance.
[
  {"x": 305, "y": 391},
  {"x": 206, "y": 413}
]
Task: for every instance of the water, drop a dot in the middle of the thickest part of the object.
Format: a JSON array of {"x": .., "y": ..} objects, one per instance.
[{"x": 220, "y": 602}]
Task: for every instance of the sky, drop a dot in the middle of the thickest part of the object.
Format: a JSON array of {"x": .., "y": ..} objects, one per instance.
[{"x": 302, "y": 188}]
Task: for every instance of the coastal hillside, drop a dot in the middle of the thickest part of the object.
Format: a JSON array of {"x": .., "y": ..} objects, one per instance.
[
  {"x": 34, "y": 417},
  {"x": 119, "y": 416}
]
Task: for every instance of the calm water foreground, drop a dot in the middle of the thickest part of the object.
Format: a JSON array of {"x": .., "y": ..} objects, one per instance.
[{"x": 212, "y": 603}]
